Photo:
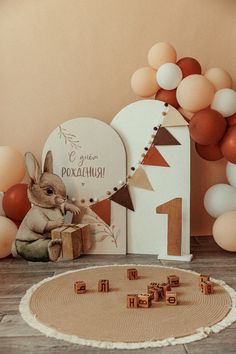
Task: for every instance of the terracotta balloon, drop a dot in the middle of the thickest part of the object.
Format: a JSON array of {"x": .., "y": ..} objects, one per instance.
[
  {"x": 224, "y": 231},
  {"x": 194, "y": 93},
  {"x": 228, "y": 144},
  {"x": 16, "y": 203},
  {"x": 143, "y": 82},
  {"x": 207, "y": 127},
  {"x": 161, "y": 53},
  {"x": 189, "y": 66},
  {"x": 219, "y": 78},
  {"x": 168, "y": 96},
  {"x": 12, "y": 167},
  {"x": 231, "y": 120},
  {"x": 209, "y": 152},
  {"x": 7, "y": 235},
  {"x": 2, "y": 212}
]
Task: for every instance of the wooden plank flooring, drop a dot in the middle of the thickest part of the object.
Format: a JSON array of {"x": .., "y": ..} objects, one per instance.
[{"x": 16, "y": 276}]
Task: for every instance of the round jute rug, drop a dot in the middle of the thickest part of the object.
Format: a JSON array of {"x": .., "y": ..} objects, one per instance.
[{"x": 102, "y": 319}]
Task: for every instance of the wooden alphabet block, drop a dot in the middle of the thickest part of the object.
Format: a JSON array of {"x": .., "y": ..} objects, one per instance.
[
  {"x": 171, "y": 298},
  {"x": 132, "y": 300},
  {"x": 207, "y": 287},
  {"x": 144, "y": 300},
  {"x": 165, "y": 287},
  {"x": 173, "y": 280},
  {"x": 155, "y": 292},
  {"x": 80, "y": 287},
  {"x": 103, "y": 285},
  {"x": 203, "y": 278},
  {"x": 132, "y": 274}
]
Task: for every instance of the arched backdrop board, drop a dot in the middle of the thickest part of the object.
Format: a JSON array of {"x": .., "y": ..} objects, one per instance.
[
  {"x": 147, "y": 231},
  {"x": 90, "y": 157}
]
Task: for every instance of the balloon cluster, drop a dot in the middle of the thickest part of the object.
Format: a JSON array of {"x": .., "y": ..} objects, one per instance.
[
  {"x": 220, "y": 203},
  {"x": 206, "y": 100},
  {"x": 14, "y": 203}
]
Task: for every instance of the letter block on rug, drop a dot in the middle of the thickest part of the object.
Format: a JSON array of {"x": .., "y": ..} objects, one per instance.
[
  {"x": 144, "y": 300},
  {"x": 155, "y": 292},
  {"x": 203, "y": 278},
  {"x": 75, "y": 239},
  {"x": 165, "y": 287},
  {"x": 80, "y": 287},
  {"x": 207, "y": 287},
  {"x": 171, "y": 298},
  {"x": 132, "y": 300},
  {"x": 132, "y": 274},
  {"x": 103, "y": 285},
  {"x": 173, "y": 280}
]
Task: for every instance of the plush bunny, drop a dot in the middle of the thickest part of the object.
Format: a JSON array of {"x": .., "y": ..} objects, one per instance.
[{"x": 47, "y": 194}]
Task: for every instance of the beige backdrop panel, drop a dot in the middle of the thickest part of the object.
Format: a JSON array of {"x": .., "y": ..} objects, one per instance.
[{"x": 62, "y": 59}]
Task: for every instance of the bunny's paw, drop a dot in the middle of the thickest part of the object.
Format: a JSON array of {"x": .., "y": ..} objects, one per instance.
[{"x": 54, "y": 249}]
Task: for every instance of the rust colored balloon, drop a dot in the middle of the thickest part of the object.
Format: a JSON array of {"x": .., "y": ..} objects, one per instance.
[
  {"x": 209, "y": 152},
  {"x": 207, "y": 127},
  {"x": 189, "y": 66},
  {"x": 231, "y": 120},
  {"x": 228, "y": 144},
  {"x": 15, "y": 202},
  {"x": 168, "y": 96}
]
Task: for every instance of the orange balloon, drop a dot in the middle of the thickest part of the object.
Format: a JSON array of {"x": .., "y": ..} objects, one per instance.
[
  {"x": 168, "y": 96},
  {"x": 12, "y": 167},
  {"x": 16, "y": 203},
  {"x": 189, "y": 66},
  {"x": 161, "y": 53},
  {"x": 8, "y": 232},
  {"x": 194, "y": 93},
  {"x": 143, "y": 82},
  {"x": 207, "y": 127},
  {"x": 231, "y": 120},
  {"x": 228, "y": 144},
  {"x": 209, "y": 152},
  {"x": 224, "y": 231},
  {"x": 219, "y": 78}
]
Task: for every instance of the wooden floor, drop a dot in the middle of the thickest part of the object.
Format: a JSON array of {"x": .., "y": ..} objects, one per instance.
[{"x": 16, "y": 276}]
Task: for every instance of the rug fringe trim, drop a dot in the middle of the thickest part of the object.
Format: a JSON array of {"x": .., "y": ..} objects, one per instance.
[{"x": 201, "y": 333}]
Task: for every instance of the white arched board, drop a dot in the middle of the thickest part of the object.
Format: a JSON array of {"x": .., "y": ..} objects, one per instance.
[
  {"x": 90, "y": 157},
  {"x": 147, "y": 230}
]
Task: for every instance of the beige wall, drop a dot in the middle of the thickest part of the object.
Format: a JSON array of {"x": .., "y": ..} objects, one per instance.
[{"x": 61, "y": 59}]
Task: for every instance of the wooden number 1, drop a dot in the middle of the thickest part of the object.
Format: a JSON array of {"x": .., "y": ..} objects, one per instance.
[{"x": 174, "y": 210}]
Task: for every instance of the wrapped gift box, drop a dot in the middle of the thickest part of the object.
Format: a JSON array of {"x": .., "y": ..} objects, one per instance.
[{"x": 76, "y": 239}]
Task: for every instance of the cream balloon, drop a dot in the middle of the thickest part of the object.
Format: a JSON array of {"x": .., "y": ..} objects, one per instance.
[
  {"x": 224, "y": 231},
  {"x": 220, "y": 199},
  {"x": 194, "y": 93},
  {"x": 168, "y": 76},
  {"x": 12, "y": 167},
  {"x": 224, "y": 101},
  {"x": 219, "y": 78},
  {"x": 161, "y": 53},
  {"x": 231, "y": 173},
  {"x": 143, "y": 82},
  {"x": 8, "y": 232},
  {"x": 2, "y": 212}
]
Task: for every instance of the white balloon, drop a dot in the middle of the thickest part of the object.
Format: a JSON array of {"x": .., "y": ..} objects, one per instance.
[
  {"x": 224, "y": 101},
  {"x": 2, "y": 213},
  {"x": 220, "y": 199},
  {"x": 231, "y": 173},
  {"x": 168, "y": 76}
]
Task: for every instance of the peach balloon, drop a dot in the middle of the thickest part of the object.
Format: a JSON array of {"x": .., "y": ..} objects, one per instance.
[
  {"x": 161, "y": 53},
  {"x": 12, "y": 167},
  {"x": 224, "y": 231},
  {"x": 194, "y": 93},
  {"x": 186, "y": 114},
  {"x": 8, "y": 232},
  {"x": 143, "y": 82},
  {"x": 219, "y": 78}
]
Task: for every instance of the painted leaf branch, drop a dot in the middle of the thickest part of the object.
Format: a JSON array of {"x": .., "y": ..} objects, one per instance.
[{"x": 68, "y": 138}]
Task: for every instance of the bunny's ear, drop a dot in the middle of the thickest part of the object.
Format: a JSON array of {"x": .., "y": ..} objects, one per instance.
[
  {"x": 48, "y": 163},
  {"x": 33, "y": 167}
]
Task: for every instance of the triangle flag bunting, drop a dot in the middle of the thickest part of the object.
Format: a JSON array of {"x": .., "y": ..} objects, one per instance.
[
  {"x": 123, "y": 198},
  {"x": 154, "y": 158},
  {"x": 173, "y": 119},
  {"x": 164, "y": 137},
  {"x": 140, "y": 179},
  {"x": 103, "y": 210}
]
